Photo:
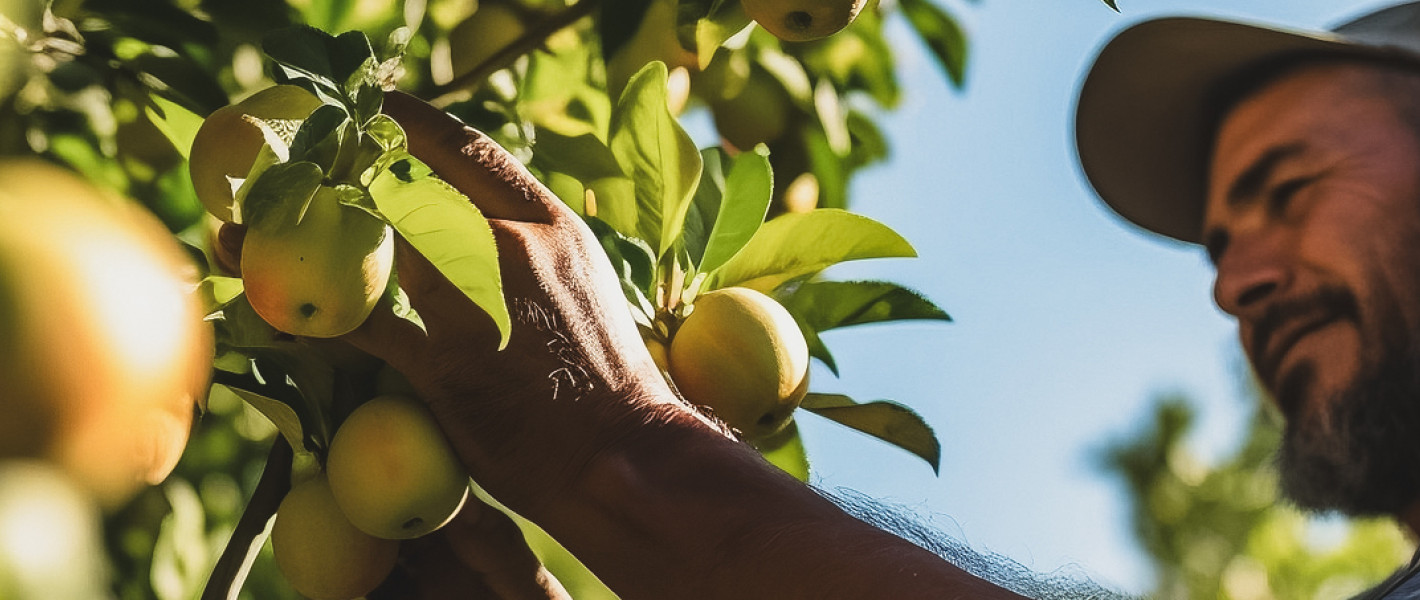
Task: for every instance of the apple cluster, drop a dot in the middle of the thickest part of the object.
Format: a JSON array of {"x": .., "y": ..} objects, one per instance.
[{"x": 389, "y": 475}]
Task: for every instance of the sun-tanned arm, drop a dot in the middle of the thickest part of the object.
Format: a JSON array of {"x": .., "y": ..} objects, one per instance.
[
  {"x": 573, "y": 426},
  {"x": 676, "y": 510}
]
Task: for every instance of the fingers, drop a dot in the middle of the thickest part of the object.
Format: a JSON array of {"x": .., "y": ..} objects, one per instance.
[
  {"x": 474, "y": 164},
  {"x": 480, "y": 554},
  {"x": 489, "y": 542},
  {"x": 228, "y": 249}
]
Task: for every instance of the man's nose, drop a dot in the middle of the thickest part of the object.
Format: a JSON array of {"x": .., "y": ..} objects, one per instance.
[{"x": 1254, "y": 270}]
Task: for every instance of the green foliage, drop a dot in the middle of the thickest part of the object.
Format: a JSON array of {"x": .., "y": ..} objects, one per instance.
[
  {"x": 882, "y": 419},
  {"x": 1222, "y": 532}
]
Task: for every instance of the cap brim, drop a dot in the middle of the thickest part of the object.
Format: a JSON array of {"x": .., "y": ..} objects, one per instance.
[{"x": 1143, "y": 121}]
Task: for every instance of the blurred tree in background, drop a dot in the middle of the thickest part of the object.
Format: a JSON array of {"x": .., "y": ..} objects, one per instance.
[{"x": 1223, "y": 531}]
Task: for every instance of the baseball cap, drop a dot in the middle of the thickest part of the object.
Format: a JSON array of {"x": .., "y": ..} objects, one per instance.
[{"x": 1147, "y": 108}]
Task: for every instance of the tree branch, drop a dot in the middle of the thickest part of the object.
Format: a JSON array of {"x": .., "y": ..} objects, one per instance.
[
  {"x": 232, "y": 567},
  {"x": 460, "y": 86}
]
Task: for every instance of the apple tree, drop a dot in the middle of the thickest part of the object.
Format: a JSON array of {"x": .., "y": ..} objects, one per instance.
[{"x": 591, "y": 96}]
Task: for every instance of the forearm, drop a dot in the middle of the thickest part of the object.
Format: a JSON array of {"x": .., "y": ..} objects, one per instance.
[{"x": 676, "y": 510}]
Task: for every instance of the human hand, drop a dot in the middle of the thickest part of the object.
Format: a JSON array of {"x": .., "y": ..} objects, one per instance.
[
  {"x": 575, "y": 380},
  {"x": 523, "y": 418},
  {"x": 575, "y": 375}
]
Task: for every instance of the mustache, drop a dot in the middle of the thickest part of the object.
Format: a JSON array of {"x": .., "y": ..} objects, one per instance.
[{"x": 1324, "y": 305}]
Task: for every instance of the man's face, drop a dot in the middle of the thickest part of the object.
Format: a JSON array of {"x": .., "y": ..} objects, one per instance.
[{"x": 1313, "y": 222}]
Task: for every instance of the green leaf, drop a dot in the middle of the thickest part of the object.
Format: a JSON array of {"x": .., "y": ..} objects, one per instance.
[
  {"x": 705, "y": 204},
  {"x": 659, "y": 156},
  {"x": 869, "y": 143},
  {"x": 559, "y": 92},
  {"x": 583, "y": 156},
  {"x": 448, "y": 230},
  {"x": 318, "y": 55},
  {"x": 943, "y": 36},
  {"x": 217, "y": 291},
  {"x": 386, "y": 132},
  {"x": 883, "y": 419},
  {"x": 825, "y": 305},
  {"x": 279, "y": 196},
  {"x": 705, "y": 25},
  {"x": 366, "y": 93},
  {"x": 287, "y": 422},
  {"x": 797, "y": 244},
  {"x": 832, "y": 117},
  {"x": 287, "y": 379},
  {"x": 734, "y": 218},
  {"x": 817, "y": 349},
  {"x": 177, "y": 123},
  {"x": 303, "y": 49},
  {"x": 786, "y": 451},
  {"x": 790, "y": 74},
  {"x": 631, "y": 257},
  {"x": 319, "y": 136},
  {"x": 400, "y": 305},
  {"x": 828, "y": 167},
  {"x": 290, "y": 366},
  {"x": 859, "y": 58},
  {"x": 239, "y": 328}
]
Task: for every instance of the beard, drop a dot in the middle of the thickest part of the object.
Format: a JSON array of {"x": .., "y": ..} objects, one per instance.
[{"x": 1361, "y": 454}]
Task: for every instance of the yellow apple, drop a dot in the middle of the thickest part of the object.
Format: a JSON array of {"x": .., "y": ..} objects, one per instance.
[
  {"x": 741, "y": 354},
  {"x": 227, "y": 144},
  {"x": 322, "y": 276},
  {"x": 322, "y": 555},
  {"x": 392, "y": 470},
  {"x": 802, "y": 20}
]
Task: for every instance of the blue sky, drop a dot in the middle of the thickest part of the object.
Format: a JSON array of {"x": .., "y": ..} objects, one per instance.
[{"x": 1067, "y": 321}]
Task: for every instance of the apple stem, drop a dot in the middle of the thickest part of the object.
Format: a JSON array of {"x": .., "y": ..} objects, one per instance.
[{"x": 250, "y": 534}]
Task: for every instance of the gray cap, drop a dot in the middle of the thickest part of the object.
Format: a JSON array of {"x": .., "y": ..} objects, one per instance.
[{"x": 1146, "y": 111}]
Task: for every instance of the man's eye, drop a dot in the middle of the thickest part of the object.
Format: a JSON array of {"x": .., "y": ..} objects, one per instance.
[{"x": 1283, "y": 193}]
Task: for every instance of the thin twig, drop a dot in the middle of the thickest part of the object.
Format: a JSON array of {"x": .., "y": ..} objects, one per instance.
[
  {"x": 231, "y": 569},
  {"x": 534, "y": 37}
]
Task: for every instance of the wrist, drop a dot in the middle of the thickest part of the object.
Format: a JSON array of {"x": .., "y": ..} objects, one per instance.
[{"x": 531, "y": 459}]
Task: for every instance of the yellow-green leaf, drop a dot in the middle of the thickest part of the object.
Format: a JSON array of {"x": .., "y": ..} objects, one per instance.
[
  {"x": 658, "y": 156},
  {"x": 217, "y": 291},
  {"x": 786, "y": 451},
  {"x": 796, "y": 244},
  {"x": 279, "y": 413},
  {"x": 177, "y": 123},
  {"x": 447, "y": 229}
]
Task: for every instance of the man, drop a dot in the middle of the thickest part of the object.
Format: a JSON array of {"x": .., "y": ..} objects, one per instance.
[{"x": 1294, "y": 160}]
